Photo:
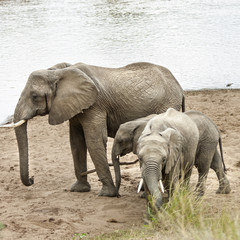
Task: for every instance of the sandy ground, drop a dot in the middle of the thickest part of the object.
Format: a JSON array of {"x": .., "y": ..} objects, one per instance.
[{"x": 48, "y": 210}]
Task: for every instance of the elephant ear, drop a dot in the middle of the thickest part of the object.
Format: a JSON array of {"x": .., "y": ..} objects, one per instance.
[
  {"x": 74, "y": 92},
  {"x": 175, "y": 141},
  {"x": 147, "y": 129},
  {"x": 127, "y": 136},
  {"x": 137, "y": 133}
]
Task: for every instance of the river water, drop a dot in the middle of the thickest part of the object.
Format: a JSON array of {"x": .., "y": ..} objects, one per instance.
[{"x": 198, "y": 40}]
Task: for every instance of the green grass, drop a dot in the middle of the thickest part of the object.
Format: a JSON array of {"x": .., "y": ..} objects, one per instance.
[
  {"x": 2, "y": 226},
  {"x": 78, "y": 236},
  {"x": 184, "y": 217}
]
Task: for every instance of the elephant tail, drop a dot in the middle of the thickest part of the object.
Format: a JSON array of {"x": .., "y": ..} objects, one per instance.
[
  {"x": 183, "y": 103},
  {"x": 221, "y": 151}
]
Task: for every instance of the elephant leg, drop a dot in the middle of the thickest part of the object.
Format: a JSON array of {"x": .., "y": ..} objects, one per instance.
[
  {"x": 201, "y": 185},
  {"x": 203, "y": 165},
  {"x": 79, "y": 153},
  {"x": 97, "y": 152},
  {"x": 217, "y": 166},
  {"x": 186, "y": 172},
  {"x": 95, "y": 131}
]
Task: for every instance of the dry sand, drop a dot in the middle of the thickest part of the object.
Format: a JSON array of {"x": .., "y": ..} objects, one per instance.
[{"x": 48, "y": 210}]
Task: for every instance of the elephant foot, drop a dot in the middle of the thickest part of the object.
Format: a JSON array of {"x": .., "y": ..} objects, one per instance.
[
  {"x": 80, "y": 187},
  {"x": 224, "y": 187},
  {"x": 108, "y": 191}
]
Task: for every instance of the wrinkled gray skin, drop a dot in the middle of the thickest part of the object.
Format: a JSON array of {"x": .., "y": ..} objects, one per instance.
[
  {"x": 96, "y": 101},
  {"x": 166, "y": 150},
  {"x": 207, "y": 155}
]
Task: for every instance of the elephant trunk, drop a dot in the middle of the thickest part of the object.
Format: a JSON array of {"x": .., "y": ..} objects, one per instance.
[
  {"x": 22, "y": 140},
  {"x": 150, "y": 177},
  {"x": 116, "y": 165}
]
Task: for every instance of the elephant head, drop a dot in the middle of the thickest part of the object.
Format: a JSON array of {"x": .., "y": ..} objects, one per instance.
[
  {"x": 125, "y": 141},
  {"x": 62, "y": 91},
  {"x": 159, "y": 153}
]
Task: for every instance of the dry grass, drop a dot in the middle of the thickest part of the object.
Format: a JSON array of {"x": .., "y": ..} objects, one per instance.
[{"x": 184, "y": 217}]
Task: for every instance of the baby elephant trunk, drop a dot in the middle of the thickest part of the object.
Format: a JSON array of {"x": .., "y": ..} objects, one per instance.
[
  {"x": 116, "y": 164},
  {"x": 151, "y": 183}
]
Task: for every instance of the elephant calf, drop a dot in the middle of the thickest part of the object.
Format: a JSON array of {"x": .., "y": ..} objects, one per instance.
[
  {"x": 207, "y": 155},
  {"x": 166, "y": 150}
]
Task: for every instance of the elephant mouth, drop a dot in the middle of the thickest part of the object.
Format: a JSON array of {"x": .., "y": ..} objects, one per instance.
[
  {"x": 160, "y": 185},
  {"x": 40, "y": 113}
]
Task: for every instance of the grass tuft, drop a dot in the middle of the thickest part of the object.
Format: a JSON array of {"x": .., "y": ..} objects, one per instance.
[
  {"x": 187, "y": 216},
  {"x": 78, "y": 236},
  {"x": 184, "y": 208},
  {"x": 2, "y": 226}
]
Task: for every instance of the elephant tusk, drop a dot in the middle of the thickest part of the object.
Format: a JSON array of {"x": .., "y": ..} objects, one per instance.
[
  {"x": 13, "y": 125},
  {"x": 161, "y": 186},
  {"x": 140, "y": 185}
]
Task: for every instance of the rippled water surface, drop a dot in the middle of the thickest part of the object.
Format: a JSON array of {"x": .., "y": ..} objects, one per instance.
[{"x": 198, "y": 40}]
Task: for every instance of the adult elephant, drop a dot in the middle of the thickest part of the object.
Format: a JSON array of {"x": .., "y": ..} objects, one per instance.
[{"x": 95, "y": 100}]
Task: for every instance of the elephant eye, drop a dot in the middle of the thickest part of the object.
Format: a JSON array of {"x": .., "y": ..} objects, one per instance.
[{"x": 35, "y": 97}]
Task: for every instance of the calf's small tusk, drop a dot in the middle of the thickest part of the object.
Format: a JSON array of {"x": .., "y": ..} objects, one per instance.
[
  {"x": 140, "y": 185},
  {"x": 161, "y": 186},
  {"x": 13, "y": 125}
]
